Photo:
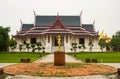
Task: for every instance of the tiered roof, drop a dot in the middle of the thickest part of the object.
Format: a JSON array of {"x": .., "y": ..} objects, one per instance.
[
  {"x": 57, "y": 25},
  {"x": 66, "y": 20}
]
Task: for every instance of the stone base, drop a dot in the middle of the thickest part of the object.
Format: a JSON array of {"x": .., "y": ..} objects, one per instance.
[{"x": 59, "y": 58}]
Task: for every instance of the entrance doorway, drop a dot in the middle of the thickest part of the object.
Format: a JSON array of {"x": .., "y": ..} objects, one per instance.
[{"x": 56, "y": 44}]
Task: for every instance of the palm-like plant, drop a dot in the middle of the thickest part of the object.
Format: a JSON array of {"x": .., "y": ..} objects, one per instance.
[
  {"x": 39, "y": 46},
  {"x": 83, "y": 46},
  {"x": 43, "y": 49},
  {"x": 33, "y": 47},
  {"x": 90, "y": 44},
  {"x": 13, "y": 47},
  {"x": 20, "y": 47},
  {"x": 27, "y": 46},
  {"x": 71, "y": 49},
  {"x": 74, "y": 46},
  {"x": 79, "y": 47}
]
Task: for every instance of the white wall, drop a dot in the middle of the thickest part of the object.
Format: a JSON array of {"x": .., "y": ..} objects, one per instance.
[
  {"x": 48, "y": 45},
  {"x": 67, "y": 46}
]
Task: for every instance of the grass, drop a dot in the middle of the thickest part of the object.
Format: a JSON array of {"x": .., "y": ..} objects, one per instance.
[
  {"x": 8, "y": 57},
  {"x": 104, "y": 57}
]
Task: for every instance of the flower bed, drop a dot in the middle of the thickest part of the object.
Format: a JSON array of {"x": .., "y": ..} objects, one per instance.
[{"x": 48, "y": 69}]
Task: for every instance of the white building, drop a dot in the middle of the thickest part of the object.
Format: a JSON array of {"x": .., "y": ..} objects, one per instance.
[{"x": 46, "y": 28}]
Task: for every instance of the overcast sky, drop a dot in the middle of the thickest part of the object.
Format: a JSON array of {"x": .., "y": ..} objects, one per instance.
[{"x": 106, "y": 13}]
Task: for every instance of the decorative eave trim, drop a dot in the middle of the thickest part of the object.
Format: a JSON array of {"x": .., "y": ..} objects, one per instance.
[{"x": 59, "y": 20}]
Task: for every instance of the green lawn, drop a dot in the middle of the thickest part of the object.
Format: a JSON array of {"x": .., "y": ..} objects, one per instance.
[
  {"x": 105, "y": 57},
  {"x": 8, "y": 57}
]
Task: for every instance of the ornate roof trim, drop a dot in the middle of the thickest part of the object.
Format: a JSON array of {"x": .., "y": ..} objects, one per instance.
[{"x": 57, "y": 20}]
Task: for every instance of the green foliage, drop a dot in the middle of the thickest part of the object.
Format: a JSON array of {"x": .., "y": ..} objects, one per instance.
[
  {"x": 20, "y": 47},
  {"x": 79, "y": 46},
  {"x": 33, "y": 47},
  {"x": 43, "y": 49},
  {"x": 4, "y": 38},
  {"x": 27, "y": 46},
  {"x": 39, "y": 44},
  {"x": 83, "y": 46},
  {"x": 102, "y": 44},
  {"x": 115, "y": 42},
  {"x": 90, "y": 44},
  {"x": 71, "y": 49},
  {"x": 74, "y": 46},
  {"x": 12, "y": 44}
]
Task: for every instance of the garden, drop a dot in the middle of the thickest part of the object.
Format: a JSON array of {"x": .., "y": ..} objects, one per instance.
[
  {"x": 102, "y": 57},
  {"x": 48, "y": 69},
  {"x": 15, "y": 57}
]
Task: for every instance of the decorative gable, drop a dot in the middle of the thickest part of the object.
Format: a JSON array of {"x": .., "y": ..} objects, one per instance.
[{"x": 57, "y": 24}]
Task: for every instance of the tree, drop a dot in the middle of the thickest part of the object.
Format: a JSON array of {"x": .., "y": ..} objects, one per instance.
[
  {"x": 102, "y": 44},
  {"x": 20, "y": 47},
  {"x": 74, "y": 46},
  {"x": 4, "y": 38},
  {"x": 27, "y": 46},
  {"x": 90, "y": 44},
  {"x": 83, "y": 46},
  {"x": 1, "y": 42},
  {"x": 12, "y": 44},
  {"x": 39, "y": 46},
  {"x": 79, "y": 47},
  {"x": 115, "y": 42},
  {"x": 33, "y": 47},
  {"x": 43, "y": 49},
  {"x": 71, "y": 49}
]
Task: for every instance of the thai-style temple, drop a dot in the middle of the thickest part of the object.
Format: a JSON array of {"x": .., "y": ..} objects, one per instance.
[{"x": 46, "y": 28}]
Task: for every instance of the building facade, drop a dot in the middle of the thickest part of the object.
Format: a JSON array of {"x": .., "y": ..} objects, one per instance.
[{"x": 46, "y": 28}]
